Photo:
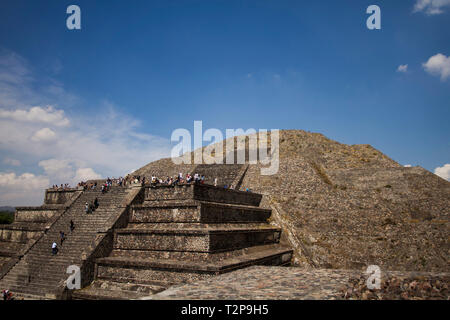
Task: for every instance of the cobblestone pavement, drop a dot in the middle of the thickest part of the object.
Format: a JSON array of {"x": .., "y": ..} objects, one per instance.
[
  {"x": 291, "y": 283},
  {"x": 265, "y": 283}
]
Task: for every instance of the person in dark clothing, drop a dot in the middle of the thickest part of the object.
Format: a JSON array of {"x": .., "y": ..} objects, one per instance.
[
  {"x": 91, "y": 207},
  {"x": 62, "y": 236},
  {"x": 72, "y": 225},
  {"x": 7, "y": 295},
  {"x": 96, "y": 203}
]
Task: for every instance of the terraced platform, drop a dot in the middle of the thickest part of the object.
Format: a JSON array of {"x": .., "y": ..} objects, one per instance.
[
  {"x": 140, "y": 240},
  {"x": 183, "y": 234}
]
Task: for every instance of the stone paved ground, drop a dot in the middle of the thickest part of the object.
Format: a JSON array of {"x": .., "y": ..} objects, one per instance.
[{"x": 282, "y": 283}]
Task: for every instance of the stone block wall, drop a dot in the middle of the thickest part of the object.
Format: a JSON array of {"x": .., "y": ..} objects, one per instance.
[
  {"x": 59, "y": 196},
  {"x": 18, "y": 235},
  {"x": 34, "y": 214},
  {"x": 201, "y": 192}
]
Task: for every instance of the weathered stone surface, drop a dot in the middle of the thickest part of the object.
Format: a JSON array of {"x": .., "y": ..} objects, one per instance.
[
  {"x": 59, "y": 196},
  {"x": 275, "y": 283}
]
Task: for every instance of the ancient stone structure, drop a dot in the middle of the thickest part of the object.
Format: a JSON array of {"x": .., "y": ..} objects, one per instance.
[
  {"x": 347, "y": 206},
  {"x": 337, "y": 206},
  {"x": 184, "y": 233},
  {"x": 140, "y": 240}
]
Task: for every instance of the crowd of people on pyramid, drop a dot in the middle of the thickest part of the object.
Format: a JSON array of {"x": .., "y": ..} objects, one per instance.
[
  {"x": 65, "y": 186},
  {"x": 153, "y": 181},
  {"x": 169, "y": 180}
]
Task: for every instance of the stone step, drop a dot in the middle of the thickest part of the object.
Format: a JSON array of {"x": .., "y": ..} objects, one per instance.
[
  {"x": 198, "y": 240},
  {"x": 45, "y": 263},
  {"x": 25, "y": 296},
  {"x": 176, "y": 271},
  {"x": 198, "y": 211},
  {"x": 106, "y": 294},
  {"x": 125, "y": 286},
  {"x": 9, "y": 249},
  {"x": 195, "y": 226},
  {"x": 189, "y": 256},
  {"x": 34, "y": 291},
  {"x": 217, "y": 266},
  {"x": 31, "y": 287}
]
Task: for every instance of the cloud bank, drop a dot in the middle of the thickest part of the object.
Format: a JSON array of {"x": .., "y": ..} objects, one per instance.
[
  {"x": 44, "y": 142},
  {"x": 431, "y": 7}
]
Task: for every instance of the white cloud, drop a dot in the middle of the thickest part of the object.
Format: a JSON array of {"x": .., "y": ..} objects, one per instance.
[
  {"x": 438, "y": 65},
  {"x": 37, "y": 114},
  {"x": 68, "y": 171},
  {"x": 12, "y": 162},
  {"x": 61, "y": 171},
  {"x": 443, "y": 172},
  {"x": 25, "y": 181},
  {"x": 84, "y": 174},
  {"x": 44, "y": 135},
  {"x": 103, "y": 143},
  {"x": 402, "y": 68},
  {"x": 13, "y": 188},
  {"x": 431, "y": 7}
]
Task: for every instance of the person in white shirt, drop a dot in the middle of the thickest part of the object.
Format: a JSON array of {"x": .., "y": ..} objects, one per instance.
[{"x": 54, "y": 248}]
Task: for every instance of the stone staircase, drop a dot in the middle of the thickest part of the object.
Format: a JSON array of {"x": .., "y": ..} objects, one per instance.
[
  {"x": 30, "y": 224},
  {"x": 184, "y": 233},
  {"x": 40, "y": 274}
]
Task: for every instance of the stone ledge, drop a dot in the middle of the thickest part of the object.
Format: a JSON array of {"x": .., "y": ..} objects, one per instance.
[
  {"x": 196, "y": 231},
  {"x": 218, "y": 266}
]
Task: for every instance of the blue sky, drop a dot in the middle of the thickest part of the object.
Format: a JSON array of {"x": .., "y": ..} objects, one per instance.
[{"x": 138, "y": 70}]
